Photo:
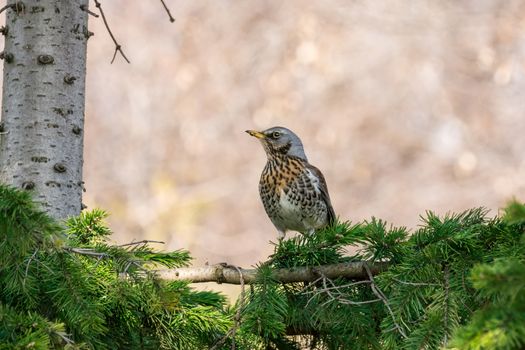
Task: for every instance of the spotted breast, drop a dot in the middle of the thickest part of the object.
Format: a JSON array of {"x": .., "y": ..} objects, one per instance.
[{"x": 294, "y": 195}]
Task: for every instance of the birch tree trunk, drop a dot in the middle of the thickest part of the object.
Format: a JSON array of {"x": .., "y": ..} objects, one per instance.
[{"x": 41, "y": 143}]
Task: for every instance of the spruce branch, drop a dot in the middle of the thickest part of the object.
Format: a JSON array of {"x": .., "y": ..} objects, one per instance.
[{"x": 224, "y": 273}]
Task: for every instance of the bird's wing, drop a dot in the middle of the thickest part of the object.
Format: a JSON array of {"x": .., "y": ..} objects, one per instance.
[{"x": 323, "y": 188}]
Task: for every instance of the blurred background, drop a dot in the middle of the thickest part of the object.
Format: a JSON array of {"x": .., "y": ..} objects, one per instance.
[{"x": 404, "y": 105}]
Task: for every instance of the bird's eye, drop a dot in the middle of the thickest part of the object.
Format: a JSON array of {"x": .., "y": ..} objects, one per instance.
[{"x": 276, "y": 134}]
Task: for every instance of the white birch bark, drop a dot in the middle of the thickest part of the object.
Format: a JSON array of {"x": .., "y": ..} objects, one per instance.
[{"x": 41, "y": 143}]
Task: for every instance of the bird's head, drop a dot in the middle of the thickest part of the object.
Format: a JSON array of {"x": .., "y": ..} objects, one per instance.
[{"x": 279, "y": 141}]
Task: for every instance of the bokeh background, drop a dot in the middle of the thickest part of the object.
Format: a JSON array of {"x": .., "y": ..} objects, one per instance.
[{"x": 404, "y": 105}]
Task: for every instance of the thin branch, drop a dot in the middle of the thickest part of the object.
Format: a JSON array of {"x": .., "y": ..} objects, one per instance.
[
  {"x": 6, "y": 7},
  {"x": 231, "y": 332},
  {"x": 127, "y": 267},
  {"x": 416, "y": 284},
  {"x": 87, "y": 251},
  {"x": 98, "y": 261},
  {"x": 446, "y": 287},
  {"x": 118, "y": 48},
  {"x": 167, "y": 11},
  {"x": 241, "y": 306},
  {"x": 65, "y": 338},
  {"x": 381, "y": 296},
  {"x": 223, "y": 273},
  {"x": 145, "y": 241},
  {"x": 27, "y": 267},
  {"x": 86, "y": 9},
  {"x": 335, "y": 287},
  {"x": 339, "y": 297}
]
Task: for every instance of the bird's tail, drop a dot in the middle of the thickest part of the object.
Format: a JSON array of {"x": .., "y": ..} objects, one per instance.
[{"x": 331, "y": 216}]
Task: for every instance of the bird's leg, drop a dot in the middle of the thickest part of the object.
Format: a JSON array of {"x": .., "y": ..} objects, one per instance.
[
  {"x": 280, "y": 235},
  {"x": 310, "y": 232}
]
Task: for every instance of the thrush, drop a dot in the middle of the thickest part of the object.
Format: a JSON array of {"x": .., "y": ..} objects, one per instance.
[{"x": 293, "y": 192}]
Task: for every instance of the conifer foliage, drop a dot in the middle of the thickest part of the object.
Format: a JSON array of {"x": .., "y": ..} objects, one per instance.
[
  {"x": 67, "y": 287},
  {"x": 457, "y": 282}
]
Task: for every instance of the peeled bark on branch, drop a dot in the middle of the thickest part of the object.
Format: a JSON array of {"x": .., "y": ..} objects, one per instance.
[{"x": 224, "y": 273}]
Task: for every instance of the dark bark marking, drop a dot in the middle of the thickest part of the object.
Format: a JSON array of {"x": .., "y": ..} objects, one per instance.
[
  {"x": 7, "y": 56},
  {"x": 76, "y": 130},
  {"x": 45, "y": 59},
  {"x": 59, "y": 168},
  {"x": 40, "y": 159},
  {"x": 28, "y": 185}
]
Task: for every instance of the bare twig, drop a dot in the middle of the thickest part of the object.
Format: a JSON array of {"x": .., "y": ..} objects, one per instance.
[
  {"x": 27, "y": 266},
  {"x": 167, "y": 11},
  {"x": 338, "y": 296},
  {"x": 87, "y": 251},
  {"x": 127, "y": 267},
  {"x": 416, "y": 284},
  {"x": 85, "y": 8},
  {"x": 446, "y": 273},
  {"x": 64, "y": 337},
  {"x": 334, "y": 287},
  {"x": 311, "y": 285},
  {"x": 241, "y": 306},
  {"x": 118, "y": 48},
  {"x": 6, "y": 7},
  {"x": 381, "y": 296},
  {"x": 145, "y": 241},
  {"x": 98, "y": 261},
  {"x": 237, "y": 319}
]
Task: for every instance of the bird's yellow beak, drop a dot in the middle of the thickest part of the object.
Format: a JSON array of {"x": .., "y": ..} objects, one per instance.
[{"x": 257, "y": 134}]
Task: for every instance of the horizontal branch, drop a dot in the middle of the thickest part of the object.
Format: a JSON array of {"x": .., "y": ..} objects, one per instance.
[{"x": 224, "y": 273}]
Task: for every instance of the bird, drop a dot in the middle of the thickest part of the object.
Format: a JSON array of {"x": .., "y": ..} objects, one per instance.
[{"x": 293, "y": 191}]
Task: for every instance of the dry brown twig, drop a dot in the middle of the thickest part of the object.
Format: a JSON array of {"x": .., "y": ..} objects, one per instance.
[
  {"x": 167, "y": 11},
  {"x": 6, "y": 7},
  {"x": 118, "y": 48},
  {"x": 86, "y": 9},
  {"x": 334, "y": 292}
]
